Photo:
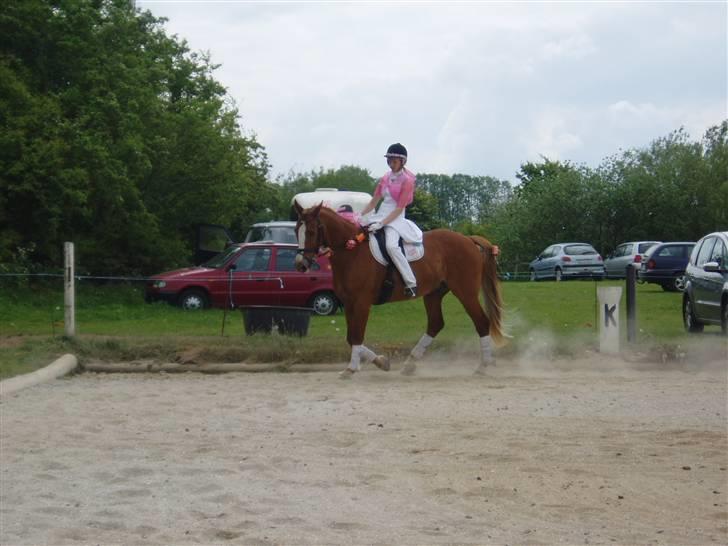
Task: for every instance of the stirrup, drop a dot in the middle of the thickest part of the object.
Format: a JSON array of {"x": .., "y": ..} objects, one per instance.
[{"x": 410, "y": 291}]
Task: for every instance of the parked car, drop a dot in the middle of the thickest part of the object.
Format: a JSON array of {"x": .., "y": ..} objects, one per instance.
[
  {"x": 246, "y": 274},
  {"x": 631, "y": 253},
  {"x": 278, "y": 232},
  {"x": 567, "y": 260},
  {"x": 665, "y": 265},
  {"x": 705, "y": 300}
]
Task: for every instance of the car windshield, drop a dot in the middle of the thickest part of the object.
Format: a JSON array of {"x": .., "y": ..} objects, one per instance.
[
  {"x": 217, "y": 261},
  {"x": 579, "y": 250},
  {"x": 278, "y": 234}
]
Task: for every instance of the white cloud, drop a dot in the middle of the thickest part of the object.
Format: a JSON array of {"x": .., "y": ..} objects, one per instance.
[{"x": 468, "y": 87}]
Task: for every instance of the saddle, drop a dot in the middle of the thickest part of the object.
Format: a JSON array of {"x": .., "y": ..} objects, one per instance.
[{"x": 378, "y": 248}]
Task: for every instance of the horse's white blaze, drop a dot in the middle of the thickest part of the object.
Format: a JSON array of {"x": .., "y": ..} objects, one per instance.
[{"x": 302, "y": 236}]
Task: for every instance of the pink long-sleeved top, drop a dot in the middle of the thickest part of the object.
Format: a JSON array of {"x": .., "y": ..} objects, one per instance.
[{"x": 401, "y": 187}]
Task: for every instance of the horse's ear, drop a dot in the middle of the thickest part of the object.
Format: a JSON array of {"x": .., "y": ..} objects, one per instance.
[
  {"x": 298, "y": 208},
  {"x": 318, "y": 208}
]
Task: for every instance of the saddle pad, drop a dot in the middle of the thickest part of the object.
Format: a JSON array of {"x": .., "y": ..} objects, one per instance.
[{"x": 413, "y": 251}]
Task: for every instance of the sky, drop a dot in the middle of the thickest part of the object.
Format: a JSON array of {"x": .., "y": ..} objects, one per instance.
[{"x": 476, "y": 88}]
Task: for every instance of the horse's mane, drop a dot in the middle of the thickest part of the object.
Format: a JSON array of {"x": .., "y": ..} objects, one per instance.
[{"x": 336, "y": 225}]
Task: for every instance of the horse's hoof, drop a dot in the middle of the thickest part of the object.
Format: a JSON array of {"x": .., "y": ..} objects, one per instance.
[
  {"x": 409, "y": 368},
  {"x": 346, "y": 374},
  {"x": 483, "y": 368},
  {"x": 381, "y": 362}
]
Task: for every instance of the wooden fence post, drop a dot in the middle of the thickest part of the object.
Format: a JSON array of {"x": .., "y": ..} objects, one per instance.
[
  {"x": 69, "y": 293},
  {"x": 631, "y": 304}
]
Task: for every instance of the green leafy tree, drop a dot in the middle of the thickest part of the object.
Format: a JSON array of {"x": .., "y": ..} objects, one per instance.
[{"x": 115, "y": 136}]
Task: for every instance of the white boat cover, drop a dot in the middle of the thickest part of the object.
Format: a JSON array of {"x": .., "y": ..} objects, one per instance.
[{"x": 333, "y": 198}]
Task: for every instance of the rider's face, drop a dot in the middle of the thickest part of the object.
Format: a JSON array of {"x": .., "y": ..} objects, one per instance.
[{"x": 394, "y": 163}]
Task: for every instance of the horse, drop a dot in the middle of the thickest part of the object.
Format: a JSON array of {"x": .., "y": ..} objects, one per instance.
[{"x": 452, "y": 262}]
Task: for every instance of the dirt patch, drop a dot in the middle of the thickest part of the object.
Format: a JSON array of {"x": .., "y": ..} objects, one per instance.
[{"x": 588, "y": 450}]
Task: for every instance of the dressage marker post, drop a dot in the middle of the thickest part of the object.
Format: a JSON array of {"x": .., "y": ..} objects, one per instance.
[{"x": 608, "y": 306}]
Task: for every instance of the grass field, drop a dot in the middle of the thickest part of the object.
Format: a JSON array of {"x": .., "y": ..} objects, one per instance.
[{"x": 113, "y": 322}]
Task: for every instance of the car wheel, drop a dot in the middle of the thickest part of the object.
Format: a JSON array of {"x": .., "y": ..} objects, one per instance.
[
  {"x": 324, "y": 303},
  {"x": 532, "y": 275},
  {"x": 724, "y": 316},
  {"x": 193, "y": 299},
  {"x": 557, "y": 274},
  {"x": 678, "y": 283},
  {"x": 692, "y": 324}
]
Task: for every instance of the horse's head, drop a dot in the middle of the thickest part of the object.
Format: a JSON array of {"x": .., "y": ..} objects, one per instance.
[{"x": 310, "y": 236}]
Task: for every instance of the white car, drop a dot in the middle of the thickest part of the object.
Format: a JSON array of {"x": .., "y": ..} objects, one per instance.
[{"x": 631, "y": 253}]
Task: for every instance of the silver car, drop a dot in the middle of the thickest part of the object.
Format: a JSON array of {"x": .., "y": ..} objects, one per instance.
[
  {"x": 631, "y": 253},
  {"x": 567, "y": 260},
  {"x": 705, "y": 300}
]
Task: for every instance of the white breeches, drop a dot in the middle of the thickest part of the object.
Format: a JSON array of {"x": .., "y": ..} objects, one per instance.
[{"x": 397, "y": 256}]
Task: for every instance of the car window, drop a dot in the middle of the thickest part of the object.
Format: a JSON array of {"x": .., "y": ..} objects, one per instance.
[
  {"x": 278, "y": 234},
  {"x": 674, "y": 251},
  {"x": 579, "y": 250},
  {"x": 706, "y": 249},
  {"x": 626, "y": 250},
  {"x": 621, "y": 250},
  {"x": 253, "y": 259},
  {"x": 718, "y": 252},
  {"x": 219, "y": 260},
  {"x": 286, "y": 259},
  {"x": 644, "y": 247}
]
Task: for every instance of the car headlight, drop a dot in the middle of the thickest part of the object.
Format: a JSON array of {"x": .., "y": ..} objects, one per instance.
[{"x": 159, "y": 284}]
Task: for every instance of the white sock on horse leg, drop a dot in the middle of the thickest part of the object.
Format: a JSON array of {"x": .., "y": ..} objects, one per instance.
[
  {"x": 486, "y": 351},
  {"x": 365, "y": 354},
  {"x": 418, "y": 351},
  {"x": 355, "y": 358}
]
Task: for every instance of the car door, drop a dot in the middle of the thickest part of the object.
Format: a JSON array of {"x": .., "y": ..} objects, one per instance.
[
  {"x": 252, "y": 282},
  {"x": 708, "y": 287},
  {"x": 210, "y": 240},
  {"x": 297, "y": 287},
  {"x": 617, "y": 265},
  {"x": 544, "y": 266}
]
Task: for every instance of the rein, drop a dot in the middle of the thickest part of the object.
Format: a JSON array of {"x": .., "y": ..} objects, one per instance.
[{"x": 322, "y": 247}]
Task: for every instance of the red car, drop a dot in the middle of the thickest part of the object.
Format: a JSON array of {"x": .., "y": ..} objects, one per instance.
[{"x": 246, "y": 274}]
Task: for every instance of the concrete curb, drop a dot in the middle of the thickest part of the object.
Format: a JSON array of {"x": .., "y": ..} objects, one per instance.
[{"x": 55, "y": 369}]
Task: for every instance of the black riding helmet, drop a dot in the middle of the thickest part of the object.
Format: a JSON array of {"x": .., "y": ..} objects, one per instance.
[{"x": 398, "y": 151}]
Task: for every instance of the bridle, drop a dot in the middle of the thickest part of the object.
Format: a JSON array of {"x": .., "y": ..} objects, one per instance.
[
  {"x": 310, "y": 253},
  {"x": 322, "y": 247}
]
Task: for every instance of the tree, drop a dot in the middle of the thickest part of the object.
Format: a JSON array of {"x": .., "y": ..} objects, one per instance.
[{"x": 115, "y": 136}]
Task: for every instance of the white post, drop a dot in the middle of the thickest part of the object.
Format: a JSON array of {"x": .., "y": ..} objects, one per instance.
[
  {"x": 608, "y": 310},
  {"x": 69, "y": 317}
]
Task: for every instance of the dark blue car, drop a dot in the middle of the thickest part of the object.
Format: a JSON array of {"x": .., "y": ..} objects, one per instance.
[{"x": 665, "y": 265}]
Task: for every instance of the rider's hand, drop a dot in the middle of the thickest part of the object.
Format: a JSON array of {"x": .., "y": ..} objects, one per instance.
[{"x": 376, "y": 226}]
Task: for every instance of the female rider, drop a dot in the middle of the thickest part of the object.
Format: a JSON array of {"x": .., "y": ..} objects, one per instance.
[{"x": 397, "y": 189}]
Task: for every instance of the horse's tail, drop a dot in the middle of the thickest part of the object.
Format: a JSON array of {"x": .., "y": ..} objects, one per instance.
[{"x": 491, "y": 288}]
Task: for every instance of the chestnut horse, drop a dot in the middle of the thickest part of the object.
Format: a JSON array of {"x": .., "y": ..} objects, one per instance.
[{"x": 463, "y": 265}]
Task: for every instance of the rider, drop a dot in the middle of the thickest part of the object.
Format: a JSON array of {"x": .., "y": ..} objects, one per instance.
[{"x": 397, "y": 189}]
